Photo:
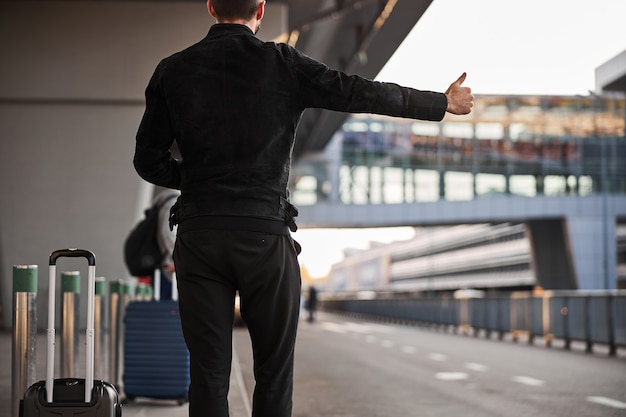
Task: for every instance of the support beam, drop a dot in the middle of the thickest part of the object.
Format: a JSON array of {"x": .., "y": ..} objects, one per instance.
[{"x": 551, "y": 254}]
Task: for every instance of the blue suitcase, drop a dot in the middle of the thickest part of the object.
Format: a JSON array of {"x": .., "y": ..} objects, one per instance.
[{"x": 156, "y": 359}]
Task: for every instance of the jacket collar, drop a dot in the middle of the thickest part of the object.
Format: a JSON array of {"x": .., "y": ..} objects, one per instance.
[{"x": 222, "y": 29}]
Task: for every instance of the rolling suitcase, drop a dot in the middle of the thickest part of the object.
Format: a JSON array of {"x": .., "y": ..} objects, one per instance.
[
  {"x": 156, "y": 359},
  {"x": 71, "y": 397}
]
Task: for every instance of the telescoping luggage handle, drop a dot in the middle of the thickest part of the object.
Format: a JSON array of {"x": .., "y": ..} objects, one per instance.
[{"x": 91, "y": 290}]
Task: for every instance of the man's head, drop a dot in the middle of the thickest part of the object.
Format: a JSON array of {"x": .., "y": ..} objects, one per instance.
[{"x": 237, "y": 11}]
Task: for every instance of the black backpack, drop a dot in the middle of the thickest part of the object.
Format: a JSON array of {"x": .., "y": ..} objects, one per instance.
[{"x": 141, "y": 249}]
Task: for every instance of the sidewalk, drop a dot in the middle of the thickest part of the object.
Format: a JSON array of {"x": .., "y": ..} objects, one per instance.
[{"x": 238, "y": 397}]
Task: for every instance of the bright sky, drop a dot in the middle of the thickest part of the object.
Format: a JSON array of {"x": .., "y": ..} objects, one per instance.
[
  {"x": 511, "y": 46},
  {"x": 506, "y": 47}
]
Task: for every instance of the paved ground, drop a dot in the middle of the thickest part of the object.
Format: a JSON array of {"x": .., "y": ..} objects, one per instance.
[
  {"x": 356, "y": 368},
  {"x": 239, "y": 402}
]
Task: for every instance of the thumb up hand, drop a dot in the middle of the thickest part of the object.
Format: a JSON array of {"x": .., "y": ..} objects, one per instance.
[{"x": 460, "y": 99}]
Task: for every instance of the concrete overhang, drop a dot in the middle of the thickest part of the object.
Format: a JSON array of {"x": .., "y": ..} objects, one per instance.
[
  {"x": 611, "y": 76},
  {"x": 355, "y": 36}
]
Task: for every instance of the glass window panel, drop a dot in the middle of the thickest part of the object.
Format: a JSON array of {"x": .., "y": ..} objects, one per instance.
[
  {"x": 393, "y": 189},
  {"x": 518, "y": 131},
  {"x": 490, "y": 184},
  {"x": 459, "y": 186},
  {"x": 425, "y": 129},
  {"x": 524, "y": 185},
  {"x": 554, "y": 185},
  {"x": 458, "y": 130},
  {"x": 489, "y": 130},
  {"x": 426, "y": 185},
  {"x": 586, "y": 185}
]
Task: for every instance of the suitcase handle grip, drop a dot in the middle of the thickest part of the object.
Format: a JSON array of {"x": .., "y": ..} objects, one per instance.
[
  {"x": 89, "y": 353},
  {"x": 73, "y": 253}
]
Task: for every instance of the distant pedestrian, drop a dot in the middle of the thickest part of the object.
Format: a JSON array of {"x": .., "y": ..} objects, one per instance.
[{"x": 311, "y": 303}]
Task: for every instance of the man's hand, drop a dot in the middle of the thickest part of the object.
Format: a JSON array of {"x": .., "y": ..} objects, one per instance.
[{"x": 460, "y": 99}]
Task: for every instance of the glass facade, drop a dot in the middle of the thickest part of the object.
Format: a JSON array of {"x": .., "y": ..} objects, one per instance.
[{"x": 509, "y": 145}]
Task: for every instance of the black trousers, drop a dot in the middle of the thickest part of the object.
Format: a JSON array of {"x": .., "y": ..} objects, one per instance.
[{"x": 210, "y": 266}]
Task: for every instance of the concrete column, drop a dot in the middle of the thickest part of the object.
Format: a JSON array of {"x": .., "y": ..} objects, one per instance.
[
  {"x": 551, "y": 254},
  {"x": 592, "y": 240}
]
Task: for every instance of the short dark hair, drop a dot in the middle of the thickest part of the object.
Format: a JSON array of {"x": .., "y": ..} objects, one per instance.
[{"x": 235, "y": 9}]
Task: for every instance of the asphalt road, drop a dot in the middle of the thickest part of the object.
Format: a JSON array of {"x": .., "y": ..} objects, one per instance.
[
  {"x": 353, "y": 368},
  {"x": 356, "y": 368}
]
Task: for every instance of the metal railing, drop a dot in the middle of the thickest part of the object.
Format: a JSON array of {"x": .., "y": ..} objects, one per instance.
[{"x": 592, "y": 317}]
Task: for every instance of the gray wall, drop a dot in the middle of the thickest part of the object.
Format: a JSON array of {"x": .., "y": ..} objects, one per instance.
[{"x": 72, "y": 80}]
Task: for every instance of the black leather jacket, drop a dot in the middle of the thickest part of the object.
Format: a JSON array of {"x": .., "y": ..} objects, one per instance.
[{"x": 232, "y": 103}]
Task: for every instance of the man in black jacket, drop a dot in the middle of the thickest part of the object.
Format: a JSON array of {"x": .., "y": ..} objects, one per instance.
[{"x": 232, "y": 104}]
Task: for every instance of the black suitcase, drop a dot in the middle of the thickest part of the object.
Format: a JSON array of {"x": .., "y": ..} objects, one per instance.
[{"x": 70, "y": 397}]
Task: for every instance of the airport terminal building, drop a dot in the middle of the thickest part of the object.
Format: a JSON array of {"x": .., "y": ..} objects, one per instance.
[{"x": 514, "y": 153}]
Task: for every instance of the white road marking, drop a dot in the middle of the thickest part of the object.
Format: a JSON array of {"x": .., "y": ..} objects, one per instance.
[
  {"x": 370, "y": 339},
  {"x": 333, "y": 327},
  {"x": 373, "y": 327},
  {"x": 609, "y": 402},
  {"x": 409, "y": 349},
  {"x": 357, "y": 328},
  {"x": 387, "y": 343},
  {"x": 526, "y": 380},
  {"x": 476, "y": 367},
  {"x": 439, "y": 357},
  {"x": 451, "y": 376}
]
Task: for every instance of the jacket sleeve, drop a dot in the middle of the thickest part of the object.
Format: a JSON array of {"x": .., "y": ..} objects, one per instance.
[
  {"x": 323, "y": 87},
  {"x": 153, "y": 160}
]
